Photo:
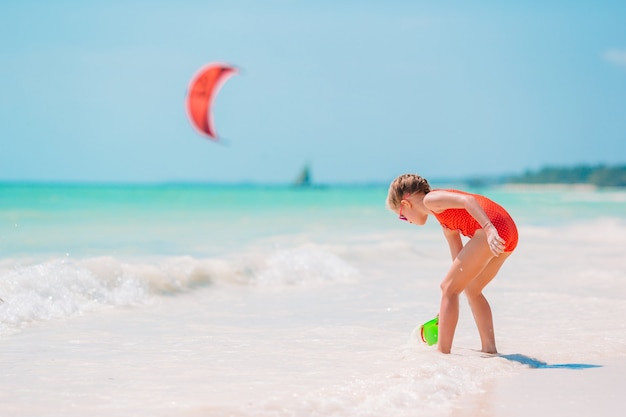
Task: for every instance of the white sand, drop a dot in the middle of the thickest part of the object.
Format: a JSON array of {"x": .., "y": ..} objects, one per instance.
[
  {"x": 299, "y": 360},
  {"x": 553, "y": 393}
]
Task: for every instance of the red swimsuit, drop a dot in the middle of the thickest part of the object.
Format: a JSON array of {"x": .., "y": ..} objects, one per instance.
[{"x": 461, "y": 220}]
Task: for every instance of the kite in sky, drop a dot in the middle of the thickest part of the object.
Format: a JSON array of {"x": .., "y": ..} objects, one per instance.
[{"x": 202, "y": 90}]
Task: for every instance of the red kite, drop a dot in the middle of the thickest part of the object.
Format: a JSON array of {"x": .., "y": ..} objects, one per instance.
[{"x": 202, "y": 90}]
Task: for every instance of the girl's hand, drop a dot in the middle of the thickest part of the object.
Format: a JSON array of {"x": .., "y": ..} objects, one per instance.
[{"x": 495, "y": 242}]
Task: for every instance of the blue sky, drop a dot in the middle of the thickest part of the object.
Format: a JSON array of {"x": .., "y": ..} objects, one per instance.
[{"x": 361, "y": 90}]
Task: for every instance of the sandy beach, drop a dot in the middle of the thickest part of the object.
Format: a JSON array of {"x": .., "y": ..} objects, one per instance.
[
  {"x": 552, "y": 392},
  {"x": 176, "y": 357}
]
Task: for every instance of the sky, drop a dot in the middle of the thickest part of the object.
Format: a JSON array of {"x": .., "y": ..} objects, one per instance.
[{"x": 362, "y": 91}]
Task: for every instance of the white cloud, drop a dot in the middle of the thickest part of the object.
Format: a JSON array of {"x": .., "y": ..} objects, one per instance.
[{"x": 616, "y": 56}]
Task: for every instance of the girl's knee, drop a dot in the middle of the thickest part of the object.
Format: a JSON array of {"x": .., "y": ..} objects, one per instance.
[{"x": 449, "y": 289}]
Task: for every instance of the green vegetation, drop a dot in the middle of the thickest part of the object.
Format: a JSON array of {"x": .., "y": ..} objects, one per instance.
[{"x": 599, "y": 175}]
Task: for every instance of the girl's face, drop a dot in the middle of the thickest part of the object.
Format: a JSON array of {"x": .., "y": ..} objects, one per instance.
[{"x": 412, "y": 210}]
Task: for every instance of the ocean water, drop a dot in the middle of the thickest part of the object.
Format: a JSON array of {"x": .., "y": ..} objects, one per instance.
[{"x": 204, "y": 300}]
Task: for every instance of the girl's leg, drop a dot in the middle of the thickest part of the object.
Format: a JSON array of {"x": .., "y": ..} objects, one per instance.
[
  {"x": 467, "y": 266},
  {"x": 480, "y": 306}
]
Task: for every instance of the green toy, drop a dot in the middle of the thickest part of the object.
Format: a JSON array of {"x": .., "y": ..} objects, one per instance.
[{"x": 429, "y": 331}]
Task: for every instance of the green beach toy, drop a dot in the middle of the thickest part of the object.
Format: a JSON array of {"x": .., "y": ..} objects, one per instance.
[{"x": 429, "y": 331}]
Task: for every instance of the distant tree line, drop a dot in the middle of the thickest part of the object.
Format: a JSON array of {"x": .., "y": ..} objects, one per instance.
[{"x": 599, "y": 175}]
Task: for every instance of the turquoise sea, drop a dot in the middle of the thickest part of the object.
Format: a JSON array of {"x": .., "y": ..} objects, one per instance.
[
  {"x": 249, "y": 300},
  {"x": 81, "y": 220}
]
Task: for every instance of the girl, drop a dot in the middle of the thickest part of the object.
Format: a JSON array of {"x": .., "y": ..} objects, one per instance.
[{"x": 493, "y": 237}]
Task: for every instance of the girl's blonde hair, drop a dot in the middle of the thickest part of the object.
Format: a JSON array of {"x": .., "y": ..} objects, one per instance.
[{"x": 403, "y": 185}]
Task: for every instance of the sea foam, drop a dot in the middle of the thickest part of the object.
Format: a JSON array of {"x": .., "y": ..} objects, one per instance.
[{"x": 68, "y": 287}]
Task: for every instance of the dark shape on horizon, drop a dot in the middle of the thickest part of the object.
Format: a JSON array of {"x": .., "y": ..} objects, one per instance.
[
  {"x": 202, "y": 90},
  {"x": 304, "y": 179}
]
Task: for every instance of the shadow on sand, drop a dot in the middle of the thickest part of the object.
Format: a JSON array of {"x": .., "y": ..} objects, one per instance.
[{"x": 536, "y": 363}]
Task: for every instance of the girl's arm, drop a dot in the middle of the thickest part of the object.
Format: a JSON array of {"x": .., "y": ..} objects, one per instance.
[
  {"x": 441, "y": 200},
  {"x": 454, "y": 241}
]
